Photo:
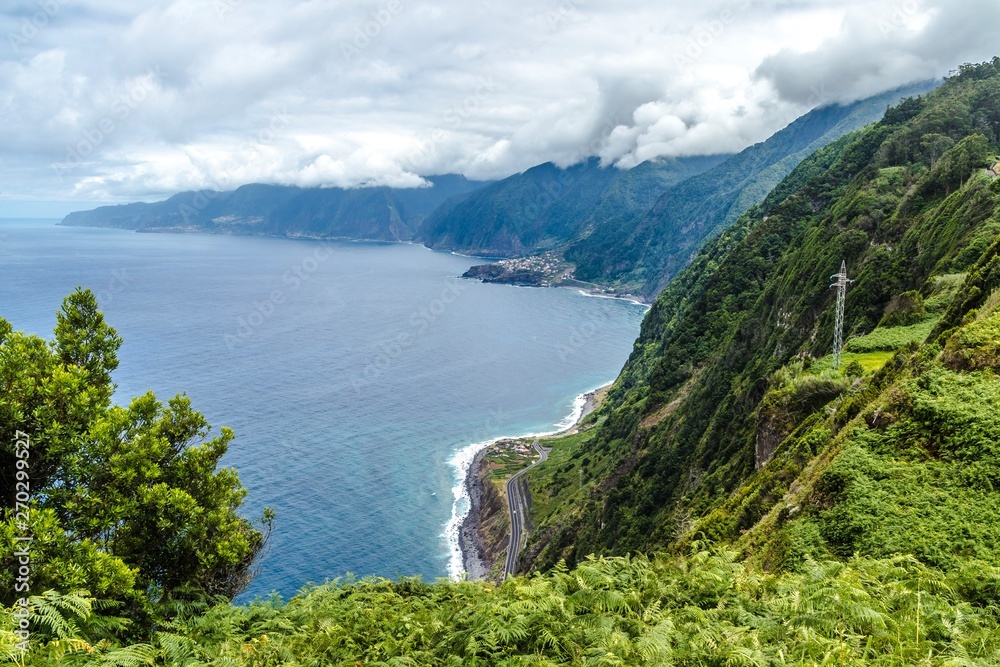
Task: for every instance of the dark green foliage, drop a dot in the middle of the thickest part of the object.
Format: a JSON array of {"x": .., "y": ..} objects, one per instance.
[
  {"x": 906, "y": 308},
  {"x": 702, "y": 609},
  {"x": 904, "y": 111},
  {"x": 691, "y": 417},
  {"x": 854, "y": 369}
]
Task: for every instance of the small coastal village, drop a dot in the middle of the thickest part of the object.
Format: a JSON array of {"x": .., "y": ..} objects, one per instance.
[
  {"x": 547, "y": 269},
  {"x": 506, "y": 457},
  {"x": 549, "y": 265}
]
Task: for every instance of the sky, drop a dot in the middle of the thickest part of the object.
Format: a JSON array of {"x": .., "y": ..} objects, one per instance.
[{"x": 107, "y": 101}]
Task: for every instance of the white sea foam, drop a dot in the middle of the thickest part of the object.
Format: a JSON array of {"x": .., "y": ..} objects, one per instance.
[
  {"x": 620, "y": 298},
  {"x": 462, "y": 463}
]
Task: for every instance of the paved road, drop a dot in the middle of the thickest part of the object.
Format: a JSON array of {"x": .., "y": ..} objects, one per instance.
[{"x": 517, "y": 508}]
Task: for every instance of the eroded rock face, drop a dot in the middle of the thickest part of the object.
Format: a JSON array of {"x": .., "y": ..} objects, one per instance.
[
  {"x": 486, "y": 530},
  {"x": 772, "y": 428},
  {"x": 786, "y": 406}
]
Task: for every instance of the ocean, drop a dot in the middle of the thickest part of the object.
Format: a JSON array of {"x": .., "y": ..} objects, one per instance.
[{"x": 359, "y": 377}]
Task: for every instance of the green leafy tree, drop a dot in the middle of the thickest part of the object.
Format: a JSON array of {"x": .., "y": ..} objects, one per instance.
[
  {"x": 128, "y": 503},
  {"x": 85, "y": 340}
]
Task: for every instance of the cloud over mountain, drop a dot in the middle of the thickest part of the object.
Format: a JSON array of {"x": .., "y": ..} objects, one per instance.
[{"x": 112, "y": 100}]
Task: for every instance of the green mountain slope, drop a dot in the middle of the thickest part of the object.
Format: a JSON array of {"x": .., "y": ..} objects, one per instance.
[
  {"x": 545, "y": 206},
  {"x": 376, "y": 213},
  {"x": 728, "y": 423},
  {"x": 642, "y": 254}
]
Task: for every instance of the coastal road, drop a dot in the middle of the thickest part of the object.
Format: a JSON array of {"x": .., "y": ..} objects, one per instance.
[{"x": 517, "y": 510}]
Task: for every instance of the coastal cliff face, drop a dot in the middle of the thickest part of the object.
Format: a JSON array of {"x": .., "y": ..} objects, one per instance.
[
  {"x": 494, "y": 527},
  {"x": 486, "y": 530}
]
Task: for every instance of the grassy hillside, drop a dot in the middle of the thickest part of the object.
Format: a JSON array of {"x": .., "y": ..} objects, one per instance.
[
  {"x": 731, "y": 368},
  {"x": 703, "y": 609}
]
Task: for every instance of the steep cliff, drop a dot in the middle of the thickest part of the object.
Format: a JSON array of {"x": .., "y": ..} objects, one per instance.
[{"x": 728, "y": 422}]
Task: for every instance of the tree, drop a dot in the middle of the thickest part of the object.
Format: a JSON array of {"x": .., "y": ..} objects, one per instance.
[
  {"x": 127, "y": 502},
  {"x": 84, "y": 339}
]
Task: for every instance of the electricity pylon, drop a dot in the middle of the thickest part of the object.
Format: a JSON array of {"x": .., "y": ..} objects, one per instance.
[{"x": 841, "y": 282}]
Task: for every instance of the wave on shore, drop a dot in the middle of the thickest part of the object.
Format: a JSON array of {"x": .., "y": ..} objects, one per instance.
[
  {"x": 462, "y": 463},
  {"x": 630, "y": 299}
]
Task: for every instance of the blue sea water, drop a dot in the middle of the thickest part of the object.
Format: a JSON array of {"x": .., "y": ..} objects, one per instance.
[{"x": 358, "y": 376}]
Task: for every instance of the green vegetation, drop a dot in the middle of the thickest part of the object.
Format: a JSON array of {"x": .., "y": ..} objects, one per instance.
[
  {"x": 869, "y": 361},
  {"x": 125, "y": 502},
  {"x": 563, "y": 477},
  {"x": 727, "y": 420},
  {"x": 703, "y": 609},
  {"x": 545, "y": 207},
  {"x": 643, "y": 254},
  {"x": 800, "y": 515},
  {"x": 887, "y": 339}
]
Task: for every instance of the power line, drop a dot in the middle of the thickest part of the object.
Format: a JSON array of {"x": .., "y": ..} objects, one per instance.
[{"x": 841, "y": 282}]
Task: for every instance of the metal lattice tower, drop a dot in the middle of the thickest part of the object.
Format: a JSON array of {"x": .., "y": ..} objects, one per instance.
[{"x": 841, "y": 282}]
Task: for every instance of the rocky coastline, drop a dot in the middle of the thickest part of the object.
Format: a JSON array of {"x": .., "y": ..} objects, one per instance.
[{"x": 484, "y": 533}]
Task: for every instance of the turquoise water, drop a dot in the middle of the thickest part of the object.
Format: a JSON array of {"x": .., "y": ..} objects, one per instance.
[{"x": 357, "y": 376}]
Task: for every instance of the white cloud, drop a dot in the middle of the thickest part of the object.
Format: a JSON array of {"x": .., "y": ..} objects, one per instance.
[
  {"x": 899, "y": 42},
  {"x": 136, "y": 101}
]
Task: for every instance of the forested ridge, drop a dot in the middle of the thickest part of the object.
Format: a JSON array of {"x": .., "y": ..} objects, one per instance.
[
  {"x": 728, "y": 421},
  {"x": 368, "y": 213},
  {"x": 633, "y": 231},
  {"x": 748, "y": 504}
]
